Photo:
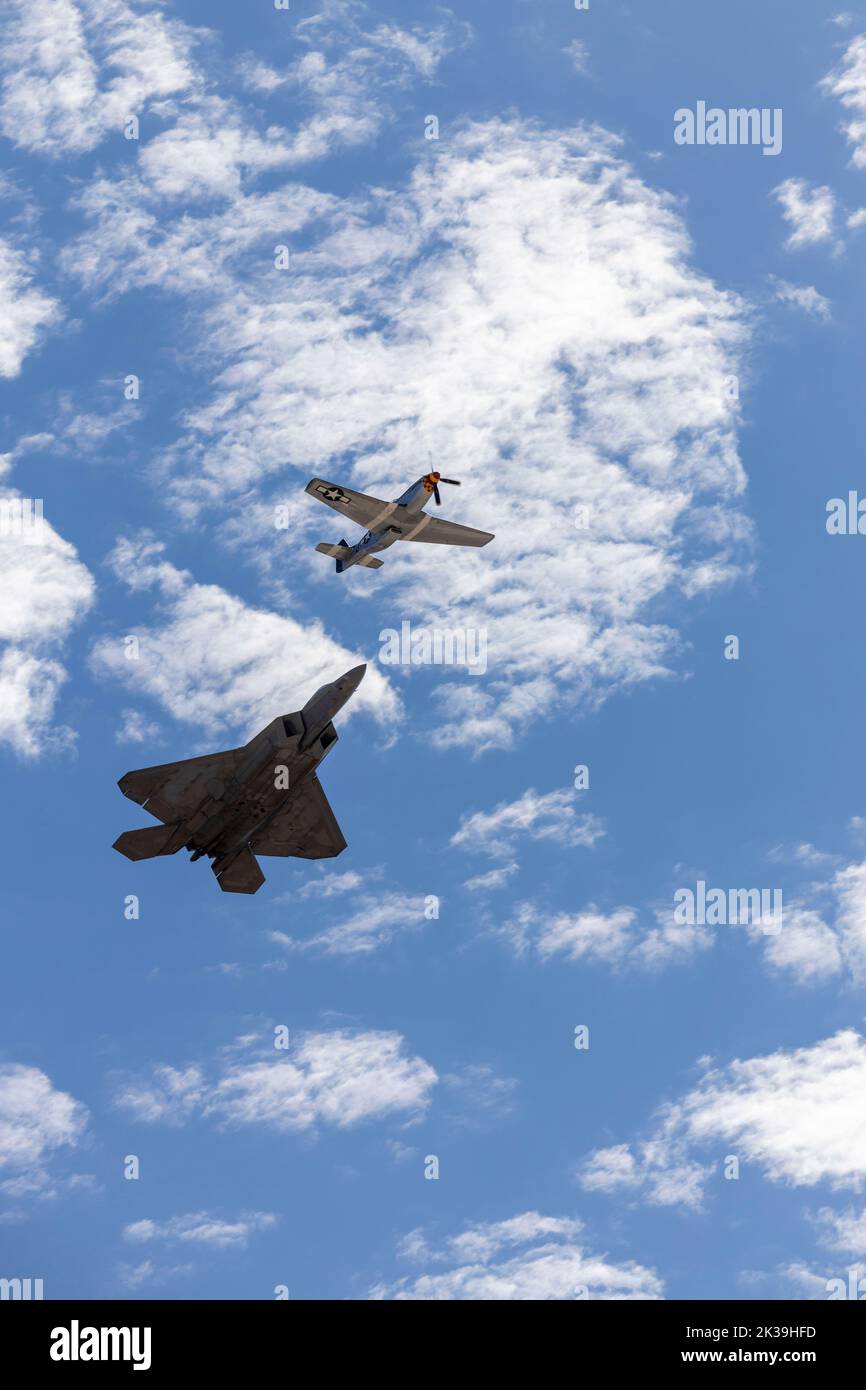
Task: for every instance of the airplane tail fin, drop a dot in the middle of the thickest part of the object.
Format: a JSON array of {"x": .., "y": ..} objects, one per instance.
[
  {"x": 342, "y": 551},
  {"x": 150, "y": 842},
  {"x": 337, "y": 552},
  {"x": 239, "y": 874}
]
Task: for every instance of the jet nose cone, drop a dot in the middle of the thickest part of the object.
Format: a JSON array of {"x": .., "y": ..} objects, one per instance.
[{"x": 354, "y": 677}]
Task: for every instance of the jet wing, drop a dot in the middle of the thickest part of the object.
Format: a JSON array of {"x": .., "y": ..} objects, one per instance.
[
  {"x": 357, "y": 506},
  {"x": 171, "y": 791},
  {"x": 306, "y": 827},
  {"x": 433, "y": 529}
]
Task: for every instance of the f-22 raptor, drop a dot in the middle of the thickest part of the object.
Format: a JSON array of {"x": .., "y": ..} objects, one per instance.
[
  {"x": 263, "y": 798},
  {"x": 387, "y": 522}
]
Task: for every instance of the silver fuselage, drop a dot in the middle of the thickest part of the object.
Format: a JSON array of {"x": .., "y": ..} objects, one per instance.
[{"x": 412, "y": 502}]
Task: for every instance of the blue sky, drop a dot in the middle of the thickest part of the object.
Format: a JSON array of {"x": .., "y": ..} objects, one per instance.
[{"x": 551, "y": 300}]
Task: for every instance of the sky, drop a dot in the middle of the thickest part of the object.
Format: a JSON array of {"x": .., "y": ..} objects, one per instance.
[{"x": 483, "y": 1054}]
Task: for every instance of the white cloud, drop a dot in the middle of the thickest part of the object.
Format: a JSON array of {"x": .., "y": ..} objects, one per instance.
[
  {"x": 373, "y": 924},
  {"x": 409, "y": 316},
  {"x": 136, "y": 1276},
  {"x": 44, "y": 591},
  {"x": 809, "y": 211},
  {"x": 331, "y": 885},
  {"x": 214, "y": 662},
  {"x": 802, "y": 853},
  {"x": 591, "y": 934},
  {"x": 24, "y": 310},
  {"x": 136, "y": 728},
  {"x": 349, "y": 75},
  {"x": 483, "y": 1095},
  {"x": 35, "y": 1120},
  {"x": 844, "y": 1230},
  {"x": 339, "y": 1079},
  {"x": 548, "y": 816},
  {"x": 798, "y": 1116},
  {"x": 806, "y": 947},
  {"x": 202, "y": 1228},
  {"x": 613, "y": 938},
  {"x": 578, "y": 52},
  {"x": 847, "y": 82},
  {"x": 814, "y": 949},
  {"x": 494, "y": 878},
  {"x": 528, "y": 1257},
  {"x": 661, "y": 1173},
  {"x": 76, "y": 70},
  {"x": 804, "y": 297}
]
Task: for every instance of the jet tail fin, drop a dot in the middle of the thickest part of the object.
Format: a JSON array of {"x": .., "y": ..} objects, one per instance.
[
  {"x": 239, "y": 874},
  {"x": 150, "y": 842}
]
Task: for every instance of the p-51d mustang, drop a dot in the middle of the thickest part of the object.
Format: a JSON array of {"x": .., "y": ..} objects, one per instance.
[
  {"x": 387, "y": 522},
  {"x": 264, "y": 798}
]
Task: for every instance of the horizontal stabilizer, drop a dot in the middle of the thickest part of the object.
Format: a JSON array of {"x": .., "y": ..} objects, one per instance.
[
  {"x": 240, "y": 874},
  {"x": 338, "y": 552},
  {"x": 151, "y": 841},
  {"x": 371, "y": 563}
]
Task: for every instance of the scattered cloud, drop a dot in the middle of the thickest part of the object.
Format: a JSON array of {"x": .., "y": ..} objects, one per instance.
[
  {"x": 76, "y": 71},
  {"x": 213, "y": 661},
  {"x": 44, "y": 591},
  {"x": 661, "y": 1174},
  {"x": 202, "y": 1228},
  {"x": 35, "y": 1120},
  {"x": 136, "y": 728},
  {"x": 329, "y": 885},
  {"x": 373, "y": 924},
  {"x": 484, "y": 1097},
  {"x": 493, "y": 879},
  {"x": 137, "y": 1276},
  {"x": 528, "y": 1257},
  {"x": 804, "y": 297},
  {"x": 614, "y": 363},
  {"x": 804, "y": 853},
  {"x": 549, "y": 816},
  {"x": 338, "y": 1079},
  {"x": 847, "y": 82},
  {"x": 613, "y": 938},
  {"x": 809, "y": 210},
  {"x": 799, "y": 1116},
  {"x": 815, "y": 945},
  {"x": 578, "y": 52},
  {"x": 26, "y": 311}
]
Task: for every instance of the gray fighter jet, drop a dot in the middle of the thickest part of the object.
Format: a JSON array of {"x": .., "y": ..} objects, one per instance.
[
  {"x": 264, "y": 798},
  {"x": 387, "y": 522}
]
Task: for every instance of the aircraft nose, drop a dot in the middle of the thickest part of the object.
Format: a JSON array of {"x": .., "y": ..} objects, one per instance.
[{"x": 354, "y": 677}]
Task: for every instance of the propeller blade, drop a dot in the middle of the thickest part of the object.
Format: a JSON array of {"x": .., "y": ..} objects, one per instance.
[
  {"x": 455, "y": 482},
  {"x": 436, "y": 495}
]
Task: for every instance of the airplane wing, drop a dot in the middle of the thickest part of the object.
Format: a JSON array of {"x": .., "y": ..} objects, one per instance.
[
  {"x": 433, "y": 529},
  {"x": 171, "y": 791},
  {"x": 357, "y": 506},
  {"x": 306, "y": 827}
]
